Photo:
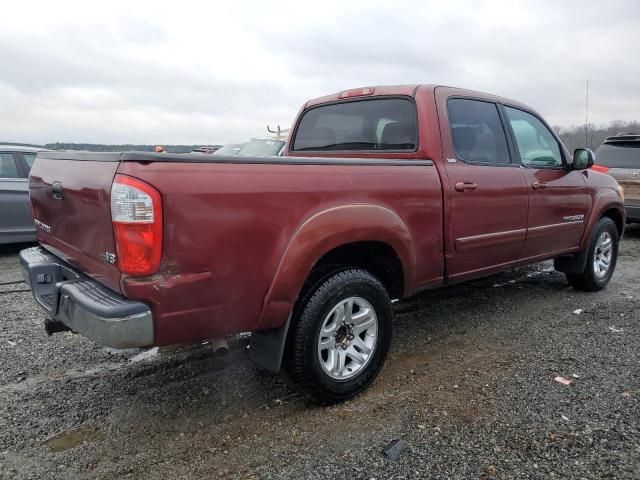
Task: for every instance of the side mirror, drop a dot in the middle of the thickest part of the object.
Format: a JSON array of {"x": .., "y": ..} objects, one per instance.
[{"x": 583, "y": 158}]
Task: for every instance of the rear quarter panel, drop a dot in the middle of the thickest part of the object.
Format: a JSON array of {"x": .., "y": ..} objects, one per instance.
[{"x": 227, "y": 228}]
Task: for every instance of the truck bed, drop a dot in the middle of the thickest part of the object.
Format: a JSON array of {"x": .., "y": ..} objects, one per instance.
[{"x": 228, "y": 222}]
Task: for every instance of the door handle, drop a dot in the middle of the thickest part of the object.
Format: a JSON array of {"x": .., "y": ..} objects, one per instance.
[
  {"x": 539, "y": 185},
  {"x": 466, "y": 186}
]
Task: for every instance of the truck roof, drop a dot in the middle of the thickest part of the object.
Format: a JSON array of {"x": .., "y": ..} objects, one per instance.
[
  {"x": 378, "y": 90},
  {"x": 408, "y": 90}
]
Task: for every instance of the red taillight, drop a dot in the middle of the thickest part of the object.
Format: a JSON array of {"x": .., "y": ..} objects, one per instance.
[
  {"x": 357, "y": 92},
  {"x": 136, "y": 213},
  {"x": 600, "y": 168}
]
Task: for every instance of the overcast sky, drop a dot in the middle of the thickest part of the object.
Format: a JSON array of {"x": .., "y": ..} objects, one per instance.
[{"x": 215, "y": 72}]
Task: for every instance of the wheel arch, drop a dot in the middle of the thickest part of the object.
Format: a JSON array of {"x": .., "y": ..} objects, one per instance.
[
  {"x": 618, "y": 216},
  {"x": 574, "y": 264},
  {"x": 607, "y": 204},
  {"x": 360, "y": 235}
]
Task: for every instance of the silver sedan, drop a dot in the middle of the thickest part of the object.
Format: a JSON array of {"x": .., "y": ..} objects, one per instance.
[{"x": 16, "y": 223}]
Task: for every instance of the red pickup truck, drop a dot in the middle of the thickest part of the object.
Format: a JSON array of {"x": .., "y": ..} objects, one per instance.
[{"x": 381, "y": 193}]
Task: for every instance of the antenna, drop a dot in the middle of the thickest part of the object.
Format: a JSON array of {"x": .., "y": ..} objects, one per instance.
[{"x": 586, "y": 120}]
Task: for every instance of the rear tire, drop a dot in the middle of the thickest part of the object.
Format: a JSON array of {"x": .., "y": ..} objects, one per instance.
[
  {"x": 602, "y": 256},
  {"x": 340, "y": 337}
]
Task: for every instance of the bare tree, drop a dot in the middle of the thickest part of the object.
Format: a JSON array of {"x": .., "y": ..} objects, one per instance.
[{"x": 574, "y": 137}]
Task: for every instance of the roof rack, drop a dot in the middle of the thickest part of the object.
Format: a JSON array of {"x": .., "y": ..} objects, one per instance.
[{"x": 623, "y": 137}]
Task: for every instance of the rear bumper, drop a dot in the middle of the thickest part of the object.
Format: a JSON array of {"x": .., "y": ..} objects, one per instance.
[
  {"x": 633, "y": 213},
  {"x": 17, "y": 237},
  {"x": 84, "y": 305}
]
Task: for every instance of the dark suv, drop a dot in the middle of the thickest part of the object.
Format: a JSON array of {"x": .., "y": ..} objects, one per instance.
[{"x": 619, "y": 156}]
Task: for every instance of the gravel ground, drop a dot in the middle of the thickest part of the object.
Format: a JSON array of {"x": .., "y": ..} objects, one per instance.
[{"x": 469, "y": 386}]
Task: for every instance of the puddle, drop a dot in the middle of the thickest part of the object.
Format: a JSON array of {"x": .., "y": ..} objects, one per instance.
[
  {"x": 72, "y": 438},
  {"x": 25, "y": 384}
]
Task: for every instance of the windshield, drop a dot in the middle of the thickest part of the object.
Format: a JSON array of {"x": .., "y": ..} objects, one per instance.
[
  {"x": 261, "y": 148},
  {"x": 375, "y": 124},
  {"x": 231, "y": 149},
  {"x": 619, "y": 155}
]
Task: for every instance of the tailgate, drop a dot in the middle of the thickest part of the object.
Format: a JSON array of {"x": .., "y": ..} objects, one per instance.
[{"x": 70, "y": 196}]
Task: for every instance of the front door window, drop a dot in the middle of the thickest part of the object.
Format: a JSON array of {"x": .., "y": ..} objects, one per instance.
[{"x": 537, "y": 146}]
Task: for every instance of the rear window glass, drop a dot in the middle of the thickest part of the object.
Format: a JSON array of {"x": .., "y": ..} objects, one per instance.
[
  {"x": 376, "y": 124},
  {"x": 261, "y": 148},
  {"x": 8, "y": 167},
  {"x": 231, "y": 149},
  {"x": 30, "y": 158},
  {"x": 619, "y": 155}
]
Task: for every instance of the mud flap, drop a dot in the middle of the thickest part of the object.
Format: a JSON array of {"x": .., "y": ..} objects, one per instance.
[
  {"x": 267, "y": 347},
  {"x": 573, "y": 264}
]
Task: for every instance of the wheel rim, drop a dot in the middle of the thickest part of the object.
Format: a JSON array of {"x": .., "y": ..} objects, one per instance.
[
  {"x": 602, "y": 255},
  {"x": 348, "y": 338}
]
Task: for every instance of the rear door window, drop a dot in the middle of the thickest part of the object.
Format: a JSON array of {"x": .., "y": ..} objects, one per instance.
[
  {"x": 8, "y": 167},
  {"x": 375, "y": 124},
  {"x": 477, "y": 132},
  {"x": 619, "y": 155}
]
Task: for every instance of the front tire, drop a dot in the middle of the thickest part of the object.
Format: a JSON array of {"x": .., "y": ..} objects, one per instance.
[
  {"x": 341, "y": 336},
  {"x": 602, "y": 256}
]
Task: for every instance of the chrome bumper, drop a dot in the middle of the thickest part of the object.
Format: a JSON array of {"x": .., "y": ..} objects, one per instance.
[{"x": 84, "y": 305}]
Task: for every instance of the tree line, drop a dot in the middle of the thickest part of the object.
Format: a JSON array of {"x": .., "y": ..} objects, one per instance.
[
  {"x": 101, "y": 147},
  {"x": 573, "y": 137},
  {"x": 125, "y": 147},
  {"x": 592, "y": 135}
]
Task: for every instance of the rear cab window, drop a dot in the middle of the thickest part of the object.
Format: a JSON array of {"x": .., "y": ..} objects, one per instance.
[{"x": 387, "y": 124}]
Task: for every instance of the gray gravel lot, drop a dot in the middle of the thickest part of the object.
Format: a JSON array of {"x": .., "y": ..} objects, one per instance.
[{"x": 469, "y": 385}]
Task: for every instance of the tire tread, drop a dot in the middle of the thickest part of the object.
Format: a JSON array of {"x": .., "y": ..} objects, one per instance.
[
  {"x": 586, "y": 281},
  {"x": 298, "y": 359}
]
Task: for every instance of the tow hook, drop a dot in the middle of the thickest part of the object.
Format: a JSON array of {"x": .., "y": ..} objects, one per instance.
[{"x": 54, "y": 326}]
